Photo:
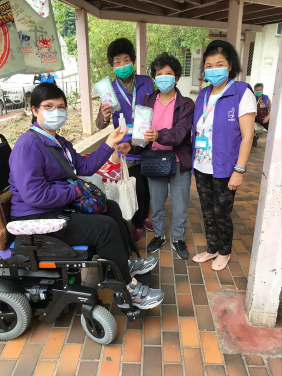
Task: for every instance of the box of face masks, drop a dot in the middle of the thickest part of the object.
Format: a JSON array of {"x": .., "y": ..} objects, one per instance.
[
  {"x": 142, "y": 122},
  {"x": 105, "y": 90}
]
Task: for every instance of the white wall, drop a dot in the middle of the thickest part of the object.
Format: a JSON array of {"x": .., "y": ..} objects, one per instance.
[
  {"x": 265, "y": 58},
  {"x": 185, "y": 83}
]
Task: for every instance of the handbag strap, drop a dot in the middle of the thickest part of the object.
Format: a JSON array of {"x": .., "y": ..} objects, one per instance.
[{"x": 62, "y": 162}]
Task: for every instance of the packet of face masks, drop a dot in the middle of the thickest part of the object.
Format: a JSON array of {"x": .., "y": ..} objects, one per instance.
[
  {"x": 106, "y": 93},
  {"x": 142, "y": 122}
]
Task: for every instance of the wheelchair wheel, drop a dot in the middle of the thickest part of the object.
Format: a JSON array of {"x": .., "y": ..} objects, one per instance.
[
  {"x": 15, "y": 315},
  {"x": 105, "y": 325}
]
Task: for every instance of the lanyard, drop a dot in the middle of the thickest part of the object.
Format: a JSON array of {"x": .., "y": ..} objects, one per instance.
[
  {"x": 66, "y": 151},
  {"x": 125, "y": 96},
  {"x": 211, "y": 108}
]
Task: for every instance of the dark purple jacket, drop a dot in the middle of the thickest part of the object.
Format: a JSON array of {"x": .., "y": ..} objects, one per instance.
[
  {"x": 144, "y": 86},
  {"x": 226, "y": 137},
  {"x": 179, "y": 136},
  {"x": 38, "y": 182}
]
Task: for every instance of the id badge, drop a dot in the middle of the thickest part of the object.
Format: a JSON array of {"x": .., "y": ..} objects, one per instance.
[
  {"x": 130, "y": 129},
  {"x": 201, "y": 142}
]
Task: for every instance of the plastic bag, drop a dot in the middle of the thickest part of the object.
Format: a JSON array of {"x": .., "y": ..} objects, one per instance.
[
  {"x": 111, "y": 190},
  {"x": 142, "y": 122},
  {"x": 110, "y": 171},
  {"x": 95, "y": 179},
  {"x": 106, "y": 93}
]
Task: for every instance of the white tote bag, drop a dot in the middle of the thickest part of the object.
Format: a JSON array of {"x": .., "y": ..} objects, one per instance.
[{"x": 127, "y": 198}]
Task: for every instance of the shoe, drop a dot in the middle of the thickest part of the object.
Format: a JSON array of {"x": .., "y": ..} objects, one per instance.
[
  {"x": 204, "y": 256},
  {"x": 155, "y": 244},
  {"x": 219, "y": 265},
  {"x": 143, "y": 297},
  {"x": 181, "y": 249},
  {"x": 141, "y": 265},
  {"x": 137, "y": 234},
  {"x": 148, "y": 224}
]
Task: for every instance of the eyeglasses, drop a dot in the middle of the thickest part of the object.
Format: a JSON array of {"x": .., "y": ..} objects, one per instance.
[{"x": 50, "y": 107}]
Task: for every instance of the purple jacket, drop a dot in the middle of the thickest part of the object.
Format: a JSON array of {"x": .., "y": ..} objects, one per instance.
[
  {"x": 226, "y": 137},
  {"x": 38, "y": 182},
  {"x": 144, "y": 86},
  {"x": 179, "y": 136}
]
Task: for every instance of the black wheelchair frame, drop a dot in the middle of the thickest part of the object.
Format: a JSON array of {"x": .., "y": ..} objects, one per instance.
[{"x": 47, "y": 282}]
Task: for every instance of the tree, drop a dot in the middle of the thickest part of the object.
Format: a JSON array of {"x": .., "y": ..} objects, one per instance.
[
  {"x": 65, "y": 21},
  {"x": 160, "y": 38}
]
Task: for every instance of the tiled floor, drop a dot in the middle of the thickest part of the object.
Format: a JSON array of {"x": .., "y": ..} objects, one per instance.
[{"x": 180, "y": 337}]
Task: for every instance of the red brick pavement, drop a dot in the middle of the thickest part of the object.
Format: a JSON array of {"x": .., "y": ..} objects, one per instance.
[{"x": 180, "y": 337}]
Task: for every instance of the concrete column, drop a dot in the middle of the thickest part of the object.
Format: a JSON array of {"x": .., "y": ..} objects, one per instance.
[
  {"x": 234, "y": 28},
  {"x": 257, "y": 59},
  {"x": 141, "y": 48},
  {"x": 84, "y": 70},
  {"x": 264, "y": 283},
  {"x": 245, "y": 55}
]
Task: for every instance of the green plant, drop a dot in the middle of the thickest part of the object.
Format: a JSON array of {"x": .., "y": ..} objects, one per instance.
[
  {"x": 72, "y": 98},
  {"x": 101, "y": 33}
]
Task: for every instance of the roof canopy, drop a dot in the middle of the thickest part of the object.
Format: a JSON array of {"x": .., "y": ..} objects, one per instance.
[{"x": 198, "y": 13}]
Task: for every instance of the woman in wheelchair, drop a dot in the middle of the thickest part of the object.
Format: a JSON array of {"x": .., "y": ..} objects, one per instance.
[{"x": 41, "y": 190}]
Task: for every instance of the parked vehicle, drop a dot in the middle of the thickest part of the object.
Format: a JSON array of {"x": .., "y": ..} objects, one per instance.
[{"x": 15, "y": 91}]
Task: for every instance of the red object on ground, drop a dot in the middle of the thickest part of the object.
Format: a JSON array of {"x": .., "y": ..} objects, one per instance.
[{"x": 235, "y": 333}]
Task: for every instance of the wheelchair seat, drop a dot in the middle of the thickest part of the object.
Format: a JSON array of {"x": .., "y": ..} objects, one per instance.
[
  {"x": 36, "y": 226},
  {"x": 49, "y": 247}
]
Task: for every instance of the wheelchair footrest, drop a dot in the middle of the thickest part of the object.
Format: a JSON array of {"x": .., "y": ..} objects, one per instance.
[{"x": 145, "y": 279}]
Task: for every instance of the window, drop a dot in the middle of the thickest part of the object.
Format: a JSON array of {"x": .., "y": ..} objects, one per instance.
[
  {"x": 250, "y": 58},
  {"x": 279, "y": 29},
  {"x": 184, "y": 56}
]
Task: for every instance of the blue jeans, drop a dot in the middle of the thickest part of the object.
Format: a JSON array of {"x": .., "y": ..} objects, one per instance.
[{"x": 180, "y": 195}]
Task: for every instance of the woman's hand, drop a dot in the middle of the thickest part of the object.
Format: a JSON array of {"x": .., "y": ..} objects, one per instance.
[
  {"x": 235, "y": 181},
  {"x": 106, "y": 110},
  {"x": 151, "y": 135},
  {"x": 115, "y": 137},
  {"x": 124, "y": 148}
]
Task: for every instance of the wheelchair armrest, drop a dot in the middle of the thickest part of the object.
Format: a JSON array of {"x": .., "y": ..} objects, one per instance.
[{"x": 36, "y": 226}]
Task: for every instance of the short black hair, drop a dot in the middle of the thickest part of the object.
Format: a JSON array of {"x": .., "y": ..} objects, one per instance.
[
  {"x": 121, "y": 46},
  {"x": 228, "y": 51},
  {"x": 165, "y": 59},
  {"x": 258, "y": 85},
  {"x": 43, "y": 92}
]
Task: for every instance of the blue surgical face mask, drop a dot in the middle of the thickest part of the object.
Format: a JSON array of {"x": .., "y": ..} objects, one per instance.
[
  {"x": 54, "y": 119},
  {"x": 216, "y": 76},
  {"x": 165, "y": 83}
]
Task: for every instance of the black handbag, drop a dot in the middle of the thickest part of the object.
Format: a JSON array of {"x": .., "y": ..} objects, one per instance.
[{"x": 158, "y": 163}]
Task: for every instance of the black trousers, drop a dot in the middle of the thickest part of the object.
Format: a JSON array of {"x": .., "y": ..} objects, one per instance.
[
  {"x": 217, "y": 204},
  {"x": 107, "y": 233},
  {"x": 143, "y": 196}
]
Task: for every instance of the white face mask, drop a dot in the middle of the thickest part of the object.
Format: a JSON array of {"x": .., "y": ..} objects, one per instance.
[{"x": 53, "y": 119}]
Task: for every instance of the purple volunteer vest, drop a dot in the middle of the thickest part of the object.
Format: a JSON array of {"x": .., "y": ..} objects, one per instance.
[
  {"x": 144, "y": 86},
  {"x": 226, "y": 136}
]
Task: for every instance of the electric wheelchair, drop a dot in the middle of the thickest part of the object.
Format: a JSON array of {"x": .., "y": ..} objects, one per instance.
[{"x": 40, "y": 272}]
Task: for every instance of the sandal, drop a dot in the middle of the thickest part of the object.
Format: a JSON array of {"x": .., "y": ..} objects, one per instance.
[
  {"x": 204, "y": 256},
  {"x": 220, "y": 266}
]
